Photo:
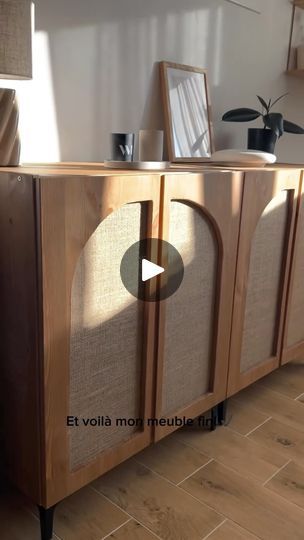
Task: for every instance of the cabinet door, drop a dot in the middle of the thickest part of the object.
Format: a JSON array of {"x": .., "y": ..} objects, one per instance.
[
  {"x": 201, "y": 219},
  {"x": 293, "y": 341},
  {"x": 98, "y": 339},
  {"x": 267, "y": 224}
]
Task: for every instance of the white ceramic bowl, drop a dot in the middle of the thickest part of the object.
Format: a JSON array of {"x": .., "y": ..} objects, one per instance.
[{"x": 249, "y": 158}]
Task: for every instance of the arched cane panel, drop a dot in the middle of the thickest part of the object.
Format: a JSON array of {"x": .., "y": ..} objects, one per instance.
[
  {"x": 264, "y": 284},
  {"x": 190, "y": 311},
  {"x": 106, "y": 337},
  {"x": 295, "y": 331}
]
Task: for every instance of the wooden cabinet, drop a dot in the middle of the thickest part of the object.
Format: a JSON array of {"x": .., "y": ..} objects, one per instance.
[
  {"x": 87, "y": 348},
  {"x": 266, "y": 235},
  {"x": 75, "y": 343},
  {"x": 293, "y": 339},
  {"x": 201, "y": 215},
  {"x": 77, "y": 349}
]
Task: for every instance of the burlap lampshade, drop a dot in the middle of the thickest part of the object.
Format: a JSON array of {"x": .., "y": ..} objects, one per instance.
[{"x": 15, "y": 63}]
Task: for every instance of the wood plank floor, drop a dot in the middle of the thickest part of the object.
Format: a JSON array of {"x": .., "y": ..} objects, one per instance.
[{"x": 245, "y": 481}]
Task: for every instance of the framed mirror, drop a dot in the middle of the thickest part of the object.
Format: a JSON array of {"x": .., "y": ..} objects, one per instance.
[{"x": 186, "y": 103}]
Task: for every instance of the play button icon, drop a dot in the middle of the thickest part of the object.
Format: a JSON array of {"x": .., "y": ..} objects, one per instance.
[
  {"x": 149, "y": 270},
  {"x": 152, "y": 269}
]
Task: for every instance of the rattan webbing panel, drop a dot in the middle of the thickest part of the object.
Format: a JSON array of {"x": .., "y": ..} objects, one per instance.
[
  {"x": 106, "y": 337},
  {"x": 295, "y": 325},
  {"x": 263, "y": 291},
  {"x": 189, "y": 312}
]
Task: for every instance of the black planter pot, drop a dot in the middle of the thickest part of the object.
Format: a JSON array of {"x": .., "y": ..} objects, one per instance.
[{"x": 262, "y": 139}]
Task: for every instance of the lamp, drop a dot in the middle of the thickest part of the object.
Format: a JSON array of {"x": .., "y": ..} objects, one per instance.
[{"x": 15, "y": 63}]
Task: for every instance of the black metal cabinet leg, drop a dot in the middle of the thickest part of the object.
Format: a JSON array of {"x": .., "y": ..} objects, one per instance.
[
  {"x": 46, "y": 522},
  {"x": 222, "y": 412},
  {"x": 213, "y": 419}
]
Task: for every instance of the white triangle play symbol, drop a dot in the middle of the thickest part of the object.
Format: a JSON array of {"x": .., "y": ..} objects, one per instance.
[{"x": 149, "y": 270}]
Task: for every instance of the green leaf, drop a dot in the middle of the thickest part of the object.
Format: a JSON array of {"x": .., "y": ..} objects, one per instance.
[
  {"x": 275, "y": 122},
  {"x": 241, "y": 115},
  {"x": 290, "y": 127},
  {"x": 263, "y": 102},
  {"x": 278, "y": 99}
]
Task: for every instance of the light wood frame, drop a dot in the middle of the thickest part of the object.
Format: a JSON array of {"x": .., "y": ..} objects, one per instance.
[
  {"x": 259, "y": 190},
  {"x": 70, "y": 210},
  {"x": 202, "y": 191},
  {"x": 168, "y": 115},
  {"x": 292, "y": 68}
]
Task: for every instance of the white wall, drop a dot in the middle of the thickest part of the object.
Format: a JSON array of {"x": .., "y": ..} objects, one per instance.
[
  {"x": 95, "y": 69},
  {"x": 294, "y": 152}
]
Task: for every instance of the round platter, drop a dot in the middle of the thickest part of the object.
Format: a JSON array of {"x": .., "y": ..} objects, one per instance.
[
  {"x": 240, "y": 164},
  {"x": 137, "y": 165},
  {"x": 245, "y": 158}
]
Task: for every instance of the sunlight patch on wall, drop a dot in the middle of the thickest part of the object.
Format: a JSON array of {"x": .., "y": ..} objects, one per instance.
[
  {"x": 37, "y": 122},
  {"x": 39, "y": 139}
]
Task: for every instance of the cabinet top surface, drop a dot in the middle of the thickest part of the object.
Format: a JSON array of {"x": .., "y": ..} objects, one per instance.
[{"x": 98, "y": 169}]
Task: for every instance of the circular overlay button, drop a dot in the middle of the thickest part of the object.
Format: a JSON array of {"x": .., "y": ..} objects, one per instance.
[{"x": 144, "y": 276}]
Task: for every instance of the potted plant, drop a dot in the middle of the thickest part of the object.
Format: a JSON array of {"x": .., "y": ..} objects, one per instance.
[{"x": 274, "y": 125}]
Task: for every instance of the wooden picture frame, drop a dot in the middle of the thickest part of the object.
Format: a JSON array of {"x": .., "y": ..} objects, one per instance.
[{"x": 186, "y": 141}]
